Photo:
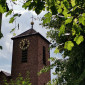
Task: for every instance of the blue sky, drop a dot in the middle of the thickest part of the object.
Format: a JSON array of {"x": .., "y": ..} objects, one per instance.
[{"x": 24, "y": 24}]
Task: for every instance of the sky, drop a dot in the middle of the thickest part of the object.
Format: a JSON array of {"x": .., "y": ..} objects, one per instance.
[{"x": 24, "y": 24}]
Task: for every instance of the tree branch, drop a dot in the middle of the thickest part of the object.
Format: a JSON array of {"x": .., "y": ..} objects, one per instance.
[{"x": 0, "y": 21}]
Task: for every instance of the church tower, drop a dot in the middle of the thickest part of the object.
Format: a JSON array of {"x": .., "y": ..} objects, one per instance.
[{"x": 30, "y": 53}]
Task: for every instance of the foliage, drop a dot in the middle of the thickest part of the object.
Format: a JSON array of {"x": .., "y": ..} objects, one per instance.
[
  {"x": 3, "y": 6},
  {"x": 19, "y": 81},
  {"x": 66, "y": 23},
  {"x": 53, "y": 82}
]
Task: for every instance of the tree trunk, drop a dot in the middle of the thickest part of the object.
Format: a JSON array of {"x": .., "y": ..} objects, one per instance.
[{"x": 0, "y": 21}]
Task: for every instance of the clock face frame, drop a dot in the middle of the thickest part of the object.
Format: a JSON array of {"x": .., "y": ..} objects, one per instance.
[{"x": 24, "y": 44}]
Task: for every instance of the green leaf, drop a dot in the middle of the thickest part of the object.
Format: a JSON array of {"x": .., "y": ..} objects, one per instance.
[
  {"x": 53, "y": 10},
  {"x": 1, "y": 47},
  {"x": 62, "y": 4},
  {"x": 66, "y": 3},
  {"x": 3, "y": 6},
  {"x": 62, "y": 30},
  {"x": 37, "y": 11},
  {"x": 73, "y": 3},
  {"x": 75, "y": 20},
  {"x": 73, "y": 31},
  {"x": 79, "y": 39},
  {"x": 54, "y": 73},
  {"x": 59, "y": 10},
  {"x": 47, "y": 18},
  {"x": 83, "y": 14},
  {"x": 1, "y": 9},
  {"x": 65, "y": 13},
  {"x": 14, "y": 0},
  {"x": 39, "y": 6},
  {"x": 14, "y": 34},
  {"x": 68, "y": 45},
  {"x": 12, "y": 30},
  {"x": 52, "y": 59},
  {"x": 15, "y": 14},
  {"x": 27, "y": 4},
  {"x": 82, "y": 20},
  {"x": 56, "y": 50},
  {"x": 1, "y": 35},
  {"x": 12, "y": 20},
  {"x": 48, "y": 15},
  {"x": 69, "y": 20},
  {"x": 23, "y": 82},
  {"x": 9, "y": 12}
]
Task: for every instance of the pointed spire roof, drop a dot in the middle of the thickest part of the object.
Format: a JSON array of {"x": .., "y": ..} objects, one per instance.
[{"x": 29, "y": 33}]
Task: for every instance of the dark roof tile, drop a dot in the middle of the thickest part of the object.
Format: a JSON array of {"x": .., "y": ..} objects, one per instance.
[
  {"x": 28, "y": 33},
  {"x": 7, "y": 74}
]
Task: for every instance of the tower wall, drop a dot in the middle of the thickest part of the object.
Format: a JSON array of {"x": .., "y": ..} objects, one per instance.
[
  {"x": 32, "y": 59},
  {"x": 44, "y": 77}
]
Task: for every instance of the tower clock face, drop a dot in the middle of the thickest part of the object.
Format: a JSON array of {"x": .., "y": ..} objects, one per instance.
[{"x": 24, "y": 44}]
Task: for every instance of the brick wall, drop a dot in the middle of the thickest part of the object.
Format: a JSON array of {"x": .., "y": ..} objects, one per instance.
[
  {"x": 34, "y": 62},
  {"x": 44, "y": 77},
  {"x": 2, "y": 78}
]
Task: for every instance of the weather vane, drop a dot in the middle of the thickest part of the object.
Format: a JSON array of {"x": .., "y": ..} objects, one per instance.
[{"x": 32, "y": 23}]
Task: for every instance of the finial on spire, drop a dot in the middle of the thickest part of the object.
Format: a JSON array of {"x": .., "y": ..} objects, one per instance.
[{"x": 32, "y": 23}]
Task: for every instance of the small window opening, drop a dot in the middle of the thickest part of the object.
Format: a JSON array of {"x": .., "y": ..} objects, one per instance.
[
  {"x": 24, "y": 54},
  {"x": 44, "y": 55}
]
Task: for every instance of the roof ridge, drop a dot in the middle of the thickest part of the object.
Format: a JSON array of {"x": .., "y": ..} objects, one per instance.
[
  {"x": 28, "y": 32},
  {"x": 6, "y": 73}
]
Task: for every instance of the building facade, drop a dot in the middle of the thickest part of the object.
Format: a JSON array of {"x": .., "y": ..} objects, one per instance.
[{"x": 30, "y": 53}]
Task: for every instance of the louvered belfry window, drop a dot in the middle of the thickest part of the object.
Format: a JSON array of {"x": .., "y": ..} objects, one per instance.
[
  {"x": 24, "y": 55},
  {"x": 44, "y": 55}
]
